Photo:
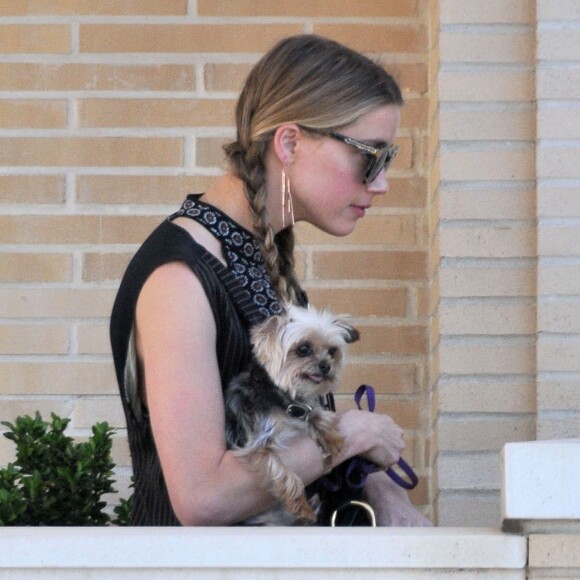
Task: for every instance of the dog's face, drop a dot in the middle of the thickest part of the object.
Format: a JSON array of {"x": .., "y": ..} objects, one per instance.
[{"x": 303, "y": 350}]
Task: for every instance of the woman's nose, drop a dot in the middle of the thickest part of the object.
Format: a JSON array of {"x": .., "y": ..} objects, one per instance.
[{"x": 379, "y": 184}]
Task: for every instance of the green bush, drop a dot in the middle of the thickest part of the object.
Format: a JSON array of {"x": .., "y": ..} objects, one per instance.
[{"x": 55, "y": 481}]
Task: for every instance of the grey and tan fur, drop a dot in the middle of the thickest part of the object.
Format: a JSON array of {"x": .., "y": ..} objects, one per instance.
[{"x": 297, "y": 359}]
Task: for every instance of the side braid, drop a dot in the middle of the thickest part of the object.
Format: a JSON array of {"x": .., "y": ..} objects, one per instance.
[{"x": 277, "y": 250}]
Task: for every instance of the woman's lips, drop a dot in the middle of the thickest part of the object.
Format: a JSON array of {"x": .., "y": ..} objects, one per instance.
[{"x": 360, "y": 210}]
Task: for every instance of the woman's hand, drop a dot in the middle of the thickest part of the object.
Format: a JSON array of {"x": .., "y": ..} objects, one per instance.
[
  {"x": 374, "y": 436},
  {"x": 391, "y": 503}
]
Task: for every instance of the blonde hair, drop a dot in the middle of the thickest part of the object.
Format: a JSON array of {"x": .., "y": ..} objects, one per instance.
[{"x": 316, "y": 83}]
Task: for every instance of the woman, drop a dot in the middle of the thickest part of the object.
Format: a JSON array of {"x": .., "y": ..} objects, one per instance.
[{"x": 315, "y": 127}]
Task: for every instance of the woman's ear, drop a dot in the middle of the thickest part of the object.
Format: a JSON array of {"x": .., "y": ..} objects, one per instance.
[{"x": 285, "y": 139}]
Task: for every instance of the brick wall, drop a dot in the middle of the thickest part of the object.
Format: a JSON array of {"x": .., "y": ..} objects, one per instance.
[
  {"x": 488, "y": 249},
  {"x": 110, "y": 112},
  {"x": 558, "y": 213},
  {"x": 509, "y": 229}
]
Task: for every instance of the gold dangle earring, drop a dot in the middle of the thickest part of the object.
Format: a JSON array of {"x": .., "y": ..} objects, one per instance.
[{"x": 287, "y": 206}]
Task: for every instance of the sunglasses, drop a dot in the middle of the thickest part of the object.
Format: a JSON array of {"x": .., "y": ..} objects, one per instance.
[{"x": 378, "y": 158}]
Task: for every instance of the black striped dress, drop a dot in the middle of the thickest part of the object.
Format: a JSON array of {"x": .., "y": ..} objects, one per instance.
[{"x": 240, "y": 295}]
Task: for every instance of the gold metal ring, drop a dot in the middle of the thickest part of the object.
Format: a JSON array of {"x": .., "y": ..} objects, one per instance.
[{"x": 370, "y": 511}]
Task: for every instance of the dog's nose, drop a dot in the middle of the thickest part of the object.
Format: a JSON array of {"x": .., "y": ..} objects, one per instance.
[{"x": 324, "y": 367}]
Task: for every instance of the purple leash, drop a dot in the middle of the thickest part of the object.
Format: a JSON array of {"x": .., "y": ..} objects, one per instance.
[
  {"x": 368, "y": 467},
  {"x": 358, "y": 469}
]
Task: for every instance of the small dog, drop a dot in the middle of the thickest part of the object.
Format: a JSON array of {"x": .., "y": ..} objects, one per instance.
[{"x": 297, "y": 359}]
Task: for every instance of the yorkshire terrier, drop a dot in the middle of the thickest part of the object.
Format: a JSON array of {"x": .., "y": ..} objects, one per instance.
[{"x": 297, "y": 360}]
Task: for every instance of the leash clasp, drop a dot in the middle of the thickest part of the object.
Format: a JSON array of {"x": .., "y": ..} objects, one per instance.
[{"x": 300, "y": 411}]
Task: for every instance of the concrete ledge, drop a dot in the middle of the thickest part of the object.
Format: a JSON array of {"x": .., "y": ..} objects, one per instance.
[
  {"x": 540, "y": 485},
  {"x": 261, "y": 553}
]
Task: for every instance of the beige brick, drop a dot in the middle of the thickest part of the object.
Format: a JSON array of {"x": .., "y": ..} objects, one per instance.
[
  {"x": 558, "y": 162},
  {"x": 501, "y": 356},
  {"x": 57, "y": 378},
  {"x": 559, "y": 315},
  {"x": 55, "y": 302},
  {"x": 360, "y": 301},
  {"x": 86, "y": 7},
  {"x": 483, "y": 434},
  {"x": 400, "y": 340},
  {"x": 459, "y": 125},
  {"x": 156, "y": 112},
  {"x": 559, "y": 240},
  {"x": 488, "y": 47},
  {"x": 13, "y": 408},
  {"x": 405, "y": 413},
  {"x": 411, "y": 77},
  {"x": 387, "y": 379},
  {"x": 33, "y": 229},
  {"x": 7, "y": 448},
  {"x": 558, "y": 44},
  {"x": 558, "y": 202},
  {"x": 488, "y": 203},
  {"x": 209, "y": 152},
  {"x": 182, "y": 38},
  {"x": 564, "y": 424},
  {"x": 488, "y": 242},
  {"x": 509, "y": 86},
  {"x": 559, "y": 122},
  {"x": 32, "y": 189},
  {"x": 225, "y": 77},
  {"x": 488, "y": 165},
  {"x": 140, "y": 189},
  {"x": 91, "y": 152},
  {"x": 306, "y": 8},
  {"x": 33, "y": 339},
  {"x": 487, "y": 317},
  {"x": 428, "y": 299},
  {"x": 404, "y": 192},
  {"x": 394, "y": 230},
  {"x": 559, "y": 279},
  {"x": 562, "y": 10},
  {"x": 496, "y": 12},
  {"x": 554, "y": 551},
  {"x": 100, "y": 267},
  {"x": 558, "y": 82},
  {"x": 487, "y": 395},
  {"x": 468, "y": 509},
  {"x": 415, "y": 114},
  {"x": 33, "y": 114},
  {"x": 329, "y": 265},
  {"x": 122, "y": 458},
  {"x": 558, "y": 354},
  {"x": 556, "y": 395},
  {"x": 96, "y": 77},
  {"x": 91, "y": 410},
  {"x": 34, "y": 39},
  {"x": 458, "y": 281},
  {"x": 376, "y": 38},
  {"x": 35, "y": 267},
  {"x": 469, "y": 470},
  {"x": 93, "y": 338}
]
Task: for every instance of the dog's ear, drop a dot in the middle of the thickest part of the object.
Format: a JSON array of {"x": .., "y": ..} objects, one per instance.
[
  {"x": 349, "y": 333},
  {"x": 266, "y": 340}
]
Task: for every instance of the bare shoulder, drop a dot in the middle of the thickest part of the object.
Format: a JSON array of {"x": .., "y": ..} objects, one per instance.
[{"x": 174, "y": 293}]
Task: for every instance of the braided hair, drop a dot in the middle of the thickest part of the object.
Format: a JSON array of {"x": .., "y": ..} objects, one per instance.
[{"x": 318, "y": 84}]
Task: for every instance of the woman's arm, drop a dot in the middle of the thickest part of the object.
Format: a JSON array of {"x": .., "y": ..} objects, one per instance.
[
  {"x": 176, "y": 347},
  {"x": 176, "y": 342}
]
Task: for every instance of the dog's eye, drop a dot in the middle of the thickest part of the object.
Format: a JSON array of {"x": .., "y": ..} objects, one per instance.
[
  {"x": 304, "y": 350},
  {"x": 332, "y": 351}
]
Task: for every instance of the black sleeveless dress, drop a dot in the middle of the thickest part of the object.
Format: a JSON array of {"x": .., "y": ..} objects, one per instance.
[{"x": 240, "y": 295}]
